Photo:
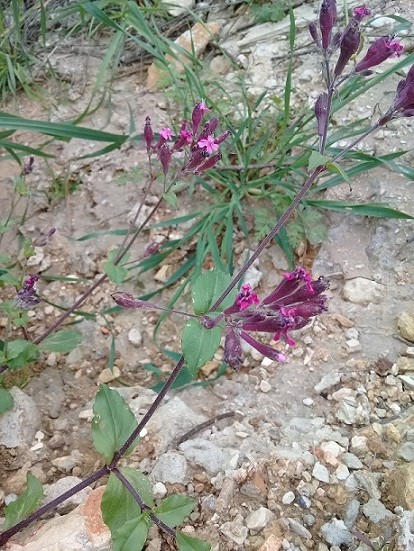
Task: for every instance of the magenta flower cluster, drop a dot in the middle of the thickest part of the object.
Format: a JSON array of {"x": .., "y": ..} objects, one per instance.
[
  {"x": 27, "y": 296},
  {"x": 200, "y": 144},
  {"x": 290, "y": 306}
]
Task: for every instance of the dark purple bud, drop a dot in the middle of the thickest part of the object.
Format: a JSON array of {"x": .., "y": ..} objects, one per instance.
[
  {"x": 404, "y": 97},
  {"x": 379, "y": 51},
  {"x": 212, "y": 125},
  {"x": 321, "y": 113},
  {"x": 126, "y": 300},
  {"x": 264, "y": 349},
  {"x": 197, "y": 158},
  {"x": 209, "y": 163},
  {"x": 28, "y": 166},
  {"x": 314, "y": 32},
  {"x": 198, "y": 114},
  {"x": 349, "y": 45},
  {"x": 232, "y": 349},
  {"x": 27, "y": 296},
  {"x": 148, "y": 134},
  {"x": 327, "y": 20},
  {"x": 44, "y": 237},
  {"x": 152, "y": 248},
  {"x": 220, "y": 139},
  {"x": 165, "y": 155}
]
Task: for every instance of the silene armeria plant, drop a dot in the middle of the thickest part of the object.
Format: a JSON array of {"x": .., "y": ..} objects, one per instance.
[{"x": 223, "y": 307}]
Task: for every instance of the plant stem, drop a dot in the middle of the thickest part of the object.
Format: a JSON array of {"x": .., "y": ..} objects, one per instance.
[
  {"x": 161, "y": 525},
  {"x": 7, "y": 534}
]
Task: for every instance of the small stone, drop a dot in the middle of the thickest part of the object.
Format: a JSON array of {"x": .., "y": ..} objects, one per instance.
[
  {"x": 401, "y": 486},
  {"x": 359, "y": 445},
  {"x": 308, "y": 402},
  {"x": 135, "y": 337},
  {"x": 272, "y": 543},
  {"x": 206, "y": 454},
  {"x": 288, "y": 498},
  {"x": 405, "y": 364},
  {"x": 299, "y": 529},
  {"x": 328, "y": 381},
  {"x": 351, "y": 513},
  {"x": 265, "y": 386},
  {"x": 64, "y": 464},
  {"x": 408, "y": 381},
  {"x": 171, "y": 468},
  {"x": 309, "y": 519},
  {"x": 406, "y": 451},
  {"x": 351, "y": 461},
  {"x": 405, "y": 324},
  {"x": 19, "y": 424},
  {"x": 368, "y": 481},
  {"x": 353, "y": 345},
  {"x": 342, "y": 472},
  {"x": 63, "y": 485},
  {"x": 375, "y": 511},
  {"x": 159, "y": 490},
  {"x": 336, "y": 533},
  {"x": 107, "y": 375},
  {"x": 361, "y": 291},
  {"x": 235, "y": 531},
  {"x": 259, "y": 519},
  {"x": 320, "y": 472}
]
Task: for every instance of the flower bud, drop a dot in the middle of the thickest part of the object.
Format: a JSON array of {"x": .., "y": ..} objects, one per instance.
[
  {"x": 198, "y": 114},
  {"x": 379, "y": 51},
  {"x": 165, "y": 155},
  {"x": 327, "y": 20},
  {"x": 148, "y": 134},
  {"x": 349, "y": 45},
  {"x": 126, "y": 300},
  {"x": 232, "y": 349},
  {"x": 321, "y": 112},
  {"x": 209, "y": 163},
  {"x": 314, "y": 32}
]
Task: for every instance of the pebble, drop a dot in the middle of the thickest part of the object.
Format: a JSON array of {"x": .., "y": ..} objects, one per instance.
[
  {"x": 336, "y": 533},
  {"x": 328, "y": 381},
  {"x": 259, "y": 519},
  {"x": 206, "y": 454},
  {"x": 159, "y": 490},
  {"x": 320, "y": 472},
  {"x": 351, "y": 513},
  {"x": 19, "y": 424},
  {"x": 171, "y": 468},
  {"x": 299, "y": 529},
  {"x": 235, "y": 530},
  {"x": 369, "y": 482},
  {"x": 401, "y": 486},
  {"x": 65, "y": 463},
  {"x": 342, "y": 472},
  {"x": 107, "y": 375},
  {"x": 351, "y": 461},
  {"x": 135, "y": 336},
  {"x": 362, "y": 291},
  {"x": 265, "y": 386},
  {"x": 308, "y": 402},
  {"x": 406, "y": 451},
  {"x": 405, "y": 324},
  {"x": 375, "y": 511},
  {"x": 288, "y": 498}
]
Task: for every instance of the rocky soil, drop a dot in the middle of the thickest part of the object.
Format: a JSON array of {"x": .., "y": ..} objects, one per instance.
[{"x": 312, "y": 454}]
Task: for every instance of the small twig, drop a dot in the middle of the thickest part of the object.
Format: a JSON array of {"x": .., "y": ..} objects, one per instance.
[{"x": 201, "y": 427}]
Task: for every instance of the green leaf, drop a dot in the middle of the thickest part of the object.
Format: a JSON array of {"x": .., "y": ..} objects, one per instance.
[
  {"x": 112, "y": 424},
  {"x": 116, "y": 273},
  {"x": 199, "y": 345},
  {"x": 19, "y": 353},
  {"x": 317, "y": 159},
  {"x": 25, "y": 504},
  {"x": 132, "y": 536},
  {"x": 9, "y": 278},
  {"x": 174, "y": 510},
  {"x": 117, "y": 505},
  {"x": 63, "y": 341},
  {"x": 376, "y": 210},
  {"x": 171, "y": 198},
  {"x": 188, "y": 543},
  {"x": 207, "y": 289},
  {"x": 335, "y": 167},
  {"x": 6, "y": 400}
]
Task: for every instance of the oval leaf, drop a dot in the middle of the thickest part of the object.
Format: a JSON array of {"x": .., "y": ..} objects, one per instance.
[
  {"x": 188, "y": 543},
  {"x": 199, "y": 345},
  {"x": 112, "y": 424},
  {"x": 25, "y": 504},
  {"x": 207, "y": 289},
  {"x": 174, "y": 510},
  {"x": 63, "y": 341},
  {"x": 132, "y": 535}
]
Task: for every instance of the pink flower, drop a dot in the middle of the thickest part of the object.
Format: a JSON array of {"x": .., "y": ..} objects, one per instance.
[
  {"x": 380, "y": 50},
  {"x": 209, "y": 144},
  {"x": 166, "y": 133},
  {"x": 361, "y": 11},
  {"x": 246, "y": 297}
]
